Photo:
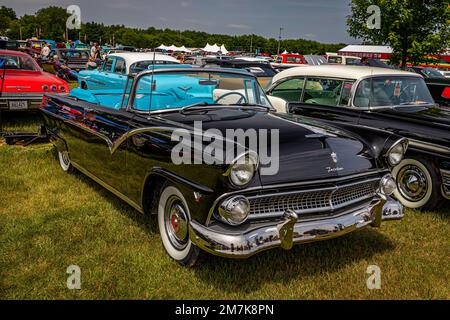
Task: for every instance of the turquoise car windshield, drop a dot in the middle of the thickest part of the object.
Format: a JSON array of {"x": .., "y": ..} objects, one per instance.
[{"x": 175, "y": 90}]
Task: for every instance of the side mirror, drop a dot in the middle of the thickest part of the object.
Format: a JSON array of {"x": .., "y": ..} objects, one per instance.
[{"x": 278, "y": 103}]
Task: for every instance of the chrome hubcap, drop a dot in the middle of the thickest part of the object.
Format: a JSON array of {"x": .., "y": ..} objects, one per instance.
[
  {"x": 412, "y": 183},
  {"x": 65, "y": 158},
  {"x": 176, "y": 223}
]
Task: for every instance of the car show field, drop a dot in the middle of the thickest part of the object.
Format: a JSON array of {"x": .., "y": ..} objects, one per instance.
[{"x": 51, "y": 220}]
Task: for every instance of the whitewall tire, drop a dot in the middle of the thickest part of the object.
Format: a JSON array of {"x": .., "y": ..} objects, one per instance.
[
  {"x": 173, "y": 222},
  {"x": 64, "y": 161},
  {"x": 418, "y": 184}
]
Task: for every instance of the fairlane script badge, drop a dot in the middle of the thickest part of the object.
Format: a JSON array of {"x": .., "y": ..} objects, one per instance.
[{"x": 334, "y": 157}]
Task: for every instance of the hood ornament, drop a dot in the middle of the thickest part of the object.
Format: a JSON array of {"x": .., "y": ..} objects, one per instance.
[{"x": 334, "y": 157}]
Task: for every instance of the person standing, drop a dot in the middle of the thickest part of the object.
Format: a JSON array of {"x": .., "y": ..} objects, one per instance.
[
  {"x": 45, "y": 52},
  {"x": 93, "y": 49}
]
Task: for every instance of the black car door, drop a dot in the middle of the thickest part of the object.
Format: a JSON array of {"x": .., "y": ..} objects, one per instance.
[{"x": 105, "y": 156}]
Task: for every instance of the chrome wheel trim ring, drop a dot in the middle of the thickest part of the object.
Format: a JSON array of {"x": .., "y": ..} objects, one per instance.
[
  {"x": 64, "y": 160},
  {"x": 412, "y": 183},
  {"x": 176, "y": 223}
]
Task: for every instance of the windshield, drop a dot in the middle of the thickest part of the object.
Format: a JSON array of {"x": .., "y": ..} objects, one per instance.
[
  {"x": 77, "y": 54},
  {"x": 146, "y": 65},
  {"x": 175, "y": 90},
  {"x": 432, "y": 73},
  {"x": 19, "y": 63},
  {"x": 392, "y": 91}
]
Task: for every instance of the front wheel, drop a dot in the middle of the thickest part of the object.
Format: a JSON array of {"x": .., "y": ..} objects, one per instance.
[
  {"x": 418, "y": 184},
  {"x": 173, "y": 221}
]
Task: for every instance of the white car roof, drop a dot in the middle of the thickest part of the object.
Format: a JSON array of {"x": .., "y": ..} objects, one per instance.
[
  {"x": 133, "y": 57},
  {"x": 339, "y": 71}
]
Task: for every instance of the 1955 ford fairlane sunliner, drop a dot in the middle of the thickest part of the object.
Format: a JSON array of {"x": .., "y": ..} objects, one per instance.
[{"x": 204, "y": 151}]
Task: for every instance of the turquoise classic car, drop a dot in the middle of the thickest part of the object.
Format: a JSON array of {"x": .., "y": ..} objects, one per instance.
[
  {"x": 160, "y": 91},
  {"x": 113, "y": 73}
]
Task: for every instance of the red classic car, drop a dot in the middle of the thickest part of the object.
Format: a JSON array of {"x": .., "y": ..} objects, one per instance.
[{"x": 22, "y": 82}]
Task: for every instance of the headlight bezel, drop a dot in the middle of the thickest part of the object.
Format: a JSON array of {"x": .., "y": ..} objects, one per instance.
[
  {"x": 232, "y": 168},
  {"x": 225, "y": 213},
  {"x": 387, "y": 178},
  {"x": 401, "y": 143}
]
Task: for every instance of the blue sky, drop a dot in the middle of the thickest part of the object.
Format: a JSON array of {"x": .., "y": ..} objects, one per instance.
[{"x": 321, "y": 20}]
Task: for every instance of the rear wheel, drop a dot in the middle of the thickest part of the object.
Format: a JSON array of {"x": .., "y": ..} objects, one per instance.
[
  {"x": 418, "y": 184},
  {"x": 173, "y": 221},
  {"x": 64, "y": 161}
]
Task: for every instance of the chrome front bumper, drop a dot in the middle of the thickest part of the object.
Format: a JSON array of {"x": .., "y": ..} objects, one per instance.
[{"x": 228, "y": 242}]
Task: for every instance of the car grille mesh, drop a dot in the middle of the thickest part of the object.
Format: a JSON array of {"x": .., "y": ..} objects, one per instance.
[{"x": 312, "y": 201}]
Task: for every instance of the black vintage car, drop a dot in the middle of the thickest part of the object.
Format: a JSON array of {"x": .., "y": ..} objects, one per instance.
[
  {"x": 202, "y": 150},
  {"x": 75, "y": 59},
  {"x": 437, "y": 83},
  {"x": 394, "y": 101}
]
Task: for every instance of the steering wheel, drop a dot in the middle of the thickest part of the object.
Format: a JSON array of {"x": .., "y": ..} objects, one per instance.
[{"x": 242, "y": 97}]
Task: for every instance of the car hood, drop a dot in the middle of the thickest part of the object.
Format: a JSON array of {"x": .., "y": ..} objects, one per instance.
[
  {"x": 435, "y": 116},
  {"x": 307, "y": 149}
]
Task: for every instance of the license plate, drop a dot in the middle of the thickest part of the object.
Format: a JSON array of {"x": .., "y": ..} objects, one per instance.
[{"x": 18, "y": 105}]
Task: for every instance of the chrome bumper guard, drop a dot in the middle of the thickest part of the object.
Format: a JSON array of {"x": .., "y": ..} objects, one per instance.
[{"x": 290, "y": 230}]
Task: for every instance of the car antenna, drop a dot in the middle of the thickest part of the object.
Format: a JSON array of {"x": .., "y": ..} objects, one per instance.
[{"x": 151, "y": 83}]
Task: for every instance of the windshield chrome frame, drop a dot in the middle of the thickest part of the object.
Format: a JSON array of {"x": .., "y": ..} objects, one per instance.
[
  {"x": 358, "y": 82},
  {"x": 137, "y": 78}
]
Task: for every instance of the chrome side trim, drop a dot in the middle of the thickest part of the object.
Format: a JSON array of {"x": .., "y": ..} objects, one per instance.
[
  {"x": 109, "y": 188},
  {"x": 429, "y": 146}
]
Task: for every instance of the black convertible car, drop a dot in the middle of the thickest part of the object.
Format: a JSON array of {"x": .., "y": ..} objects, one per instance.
[
  {"x": 390, "y": 100},
  {"x": 202, "y": 150}
]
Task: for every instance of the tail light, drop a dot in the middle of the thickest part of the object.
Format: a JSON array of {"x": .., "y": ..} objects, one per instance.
[
  {"x": 446, "y": 93},
  {"x": 54, "y": 88},
  {"x": 62, "y": 88},
  {"x": 45, "y": 87}
]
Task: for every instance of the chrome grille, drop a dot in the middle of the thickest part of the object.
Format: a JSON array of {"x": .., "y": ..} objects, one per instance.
[{"x": 312, "y": 201}]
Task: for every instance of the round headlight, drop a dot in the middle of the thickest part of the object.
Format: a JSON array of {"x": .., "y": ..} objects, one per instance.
[
  {"x": 53, "y": 87},
  {"x": 243, "y": 169},
  {"x": 62, "y": 88},
  {"x": 387, "y": 185},
  {"x": 396, "y": 153},
  {"x": 234, "y": 210},
  {"x": 45, "y": 87}
]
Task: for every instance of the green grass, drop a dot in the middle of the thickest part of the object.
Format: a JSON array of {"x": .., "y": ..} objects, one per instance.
[{"x": 50, "y": 220}]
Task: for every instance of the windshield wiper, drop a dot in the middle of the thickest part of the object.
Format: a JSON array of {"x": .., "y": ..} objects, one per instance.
[
  {"x": 195, "y": 106},
  {"x": 267, "y": 108}
]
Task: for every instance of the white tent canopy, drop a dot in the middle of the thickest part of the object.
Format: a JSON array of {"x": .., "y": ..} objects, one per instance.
[
  {"x": 173, "y": 48},
  {"x": 223, "y": 49},
  {"x": 163, "y": 47},
  {"x": 215, "y": 48},
  {"x": 184, "y": 49}
]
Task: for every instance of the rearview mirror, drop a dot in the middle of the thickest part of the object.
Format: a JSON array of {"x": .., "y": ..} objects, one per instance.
[{"x": 278, "y": 103}]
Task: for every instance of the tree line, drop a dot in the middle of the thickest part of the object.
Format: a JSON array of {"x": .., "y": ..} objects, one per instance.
[{"x": 50, "y": 23}]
